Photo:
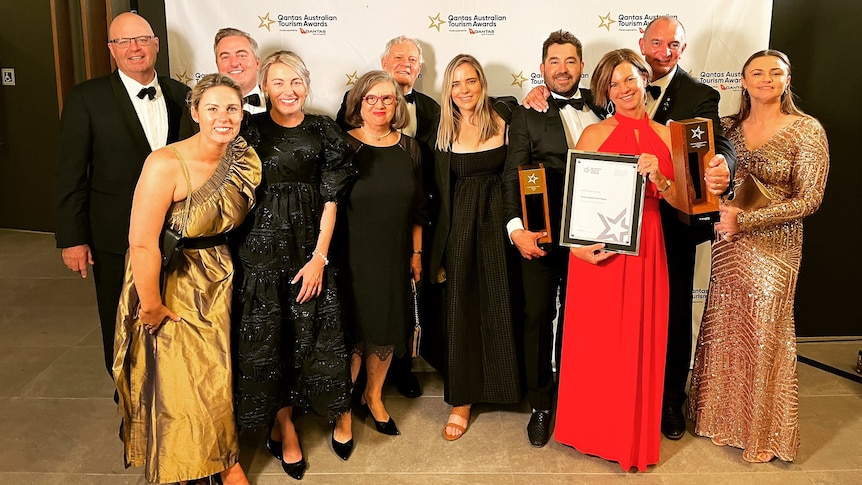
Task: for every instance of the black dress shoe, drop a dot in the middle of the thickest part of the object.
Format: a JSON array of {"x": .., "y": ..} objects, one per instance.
[
  {"x": 386, "y": 428},
  {"x": 295, "y": 470},
  {"x": 539, "y": 428},
  {"x": 408, "y": 385},
  {"x": 672, "y": 423},
  {"x": 342, "y": 450}
]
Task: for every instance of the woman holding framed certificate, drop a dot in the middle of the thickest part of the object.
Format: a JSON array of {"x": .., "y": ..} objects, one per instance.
[{"x": 616, "y": 306}]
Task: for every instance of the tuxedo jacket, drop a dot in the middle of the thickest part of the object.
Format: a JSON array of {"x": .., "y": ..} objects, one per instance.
[
  {"x": 536, "y": 137},
  {"x": 102, "y": 150},
  {"x": 504, "y": 106},
  {"x": 685, "y": 98}
]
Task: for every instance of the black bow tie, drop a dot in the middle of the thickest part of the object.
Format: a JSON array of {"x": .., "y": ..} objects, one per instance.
[
  {"x": 410, "y": 97},
  {"x": 654, "y": 91},
  {"x": 150, "y": 92},
  {"x": 578, "y": 103},
  {"x": 252, "y": 99}
]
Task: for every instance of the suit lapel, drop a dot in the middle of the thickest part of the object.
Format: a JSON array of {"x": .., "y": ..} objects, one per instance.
[
  {"x": 175, "y": 111},
  {"x": 128, "y": 114},
  {"x": 662, "y": 114}
]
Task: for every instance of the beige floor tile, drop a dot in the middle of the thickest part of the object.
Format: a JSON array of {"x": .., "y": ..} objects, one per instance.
[
  {"x": 30, "y": 324},
  {"x": 829, "y": 430},
  {"x": 48, "y": 292},
  {"x": 841, "y": 354},
  {"x": 815, "y": 382},
  {"x": 21, "y": 365},
  {"x": 836, "y": 477},
  {"x": 78, "y": 373}
]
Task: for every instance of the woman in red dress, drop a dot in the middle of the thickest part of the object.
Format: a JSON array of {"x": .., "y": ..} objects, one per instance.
[{"x": 612, "y": 365}]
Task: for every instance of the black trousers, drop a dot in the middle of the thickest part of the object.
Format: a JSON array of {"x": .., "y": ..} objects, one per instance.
[
  {"x": 680, "y": 242},
  {"x": 108, "y": 273},
  {"x": 542, "y": 278}
]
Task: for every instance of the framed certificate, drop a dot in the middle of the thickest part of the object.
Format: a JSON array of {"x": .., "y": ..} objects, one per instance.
[{"x": 603, "y": 201}]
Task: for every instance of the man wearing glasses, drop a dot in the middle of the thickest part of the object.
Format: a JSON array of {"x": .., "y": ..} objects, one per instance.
[
  {"x": 402, "y": 59},
  {"x": 108, "y": 127}
]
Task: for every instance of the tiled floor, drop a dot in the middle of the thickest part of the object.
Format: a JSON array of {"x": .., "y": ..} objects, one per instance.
[{"x": 58, "y": 422}]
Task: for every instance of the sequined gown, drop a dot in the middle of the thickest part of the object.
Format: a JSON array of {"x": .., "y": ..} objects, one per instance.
[
  {"x": 175, "y": 386},
  {"x": 743, "y": 387},
  {"x": 383, "y": 206},
  {"x": 289, "y": 353},
  {"x": 482, "y": 358},
  {"x": 613, "y": 356}
]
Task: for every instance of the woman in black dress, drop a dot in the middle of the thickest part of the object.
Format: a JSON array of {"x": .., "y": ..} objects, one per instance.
[
  {"x": 470, "y": 244},
  {"x": 290, "y": 346},
  {"x": 383, "y": 224}
]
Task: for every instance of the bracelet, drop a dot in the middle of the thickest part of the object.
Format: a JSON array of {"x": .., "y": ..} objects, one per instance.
[
  {"x": 325, "y": 261},
  {"x": 417, "y": 251},
  {"x": 666, "y": 185}
]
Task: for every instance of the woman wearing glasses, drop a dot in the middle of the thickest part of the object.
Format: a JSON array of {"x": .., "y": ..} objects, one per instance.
[{"x": 384, "y": 214}]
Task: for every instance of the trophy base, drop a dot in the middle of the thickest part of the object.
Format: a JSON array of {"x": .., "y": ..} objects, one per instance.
[{"x": 695, "y": 220}]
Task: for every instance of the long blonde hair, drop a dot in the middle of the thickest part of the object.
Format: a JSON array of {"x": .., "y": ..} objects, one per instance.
[{"x": 450, "y": 115}]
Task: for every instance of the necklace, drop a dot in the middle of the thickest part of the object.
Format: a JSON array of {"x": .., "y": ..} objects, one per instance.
[{"x": 375, "y": 136}]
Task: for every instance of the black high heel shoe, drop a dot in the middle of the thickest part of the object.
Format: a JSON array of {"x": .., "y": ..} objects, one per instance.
[
  {"x": 294, "y": 470},
  {"x": 273, "y": 446},
  {"x": 386, "y": 428},
  {"x": 342, "y": 450}
]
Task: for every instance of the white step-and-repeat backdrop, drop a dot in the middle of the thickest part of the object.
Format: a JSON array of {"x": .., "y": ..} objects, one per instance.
[{"x": 341, "y": 39}]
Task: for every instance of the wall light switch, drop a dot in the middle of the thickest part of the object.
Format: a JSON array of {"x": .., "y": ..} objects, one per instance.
[{"x": 8, "y": 74}]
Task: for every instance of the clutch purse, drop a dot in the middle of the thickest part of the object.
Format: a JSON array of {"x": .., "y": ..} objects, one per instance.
[
  {"x": 751, "y": 194},
  {"x": 417, "y": 329}
]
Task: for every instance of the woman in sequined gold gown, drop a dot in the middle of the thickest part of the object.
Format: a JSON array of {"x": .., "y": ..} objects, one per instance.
[
  {"x": 290, "y": 341},
  {"x": 470, "y": 243},
  {"x": 743, "y": 388},
  {"x": 172, "y": 343},
  {"x": 616, "y": 304}
]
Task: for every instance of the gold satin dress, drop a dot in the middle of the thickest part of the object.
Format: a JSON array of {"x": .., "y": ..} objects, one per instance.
[
  {"x": 175, "y": 387},
  {"x": 744, "y": 390}
]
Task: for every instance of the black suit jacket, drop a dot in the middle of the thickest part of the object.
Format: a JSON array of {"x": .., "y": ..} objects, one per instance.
[
  {"x": 534, "y": 138},
  {"x": 685, "y": 98},
  {"x": 102, "y": 150}
]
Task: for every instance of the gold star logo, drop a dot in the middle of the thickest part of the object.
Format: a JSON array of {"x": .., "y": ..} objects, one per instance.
[
  {"x": 518, "y": 79},
  {"x": 184, "y": 78},
  {"x": 606, "y": 21},
  {"x": 265, "y": 21},
  {"x": 351, "y": 79},
  {"x": 436, "y": 22}
]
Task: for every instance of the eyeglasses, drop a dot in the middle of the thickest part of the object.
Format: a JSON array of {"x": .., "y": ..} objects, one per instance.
[
  {"x": 141, "y": 40},
  {"x": 372, "y": 99}
]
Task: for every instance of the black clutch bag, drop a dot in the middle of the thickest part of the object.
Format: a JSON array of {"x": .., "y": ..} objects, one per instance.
[{"x": 171, "y": 245}]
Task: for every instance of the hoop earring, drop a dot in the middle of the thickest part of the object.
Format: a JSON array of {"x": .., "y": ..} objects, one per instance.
[{"x": 610, "y": 108}]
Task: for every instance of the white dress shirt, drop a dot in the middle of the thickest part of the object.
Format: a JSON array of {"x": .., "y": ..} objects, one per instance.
[
  {"x": 252, "y": 108},
  {"x": 153, "y": 114},
  {"x": 663, "y": 82}
]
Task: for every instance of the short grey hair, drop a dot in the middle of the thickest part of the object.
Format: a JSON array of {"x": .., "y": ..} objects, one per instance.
[
  {"x": 400, "y": 40},
  {"x": 232, "y": 32}
]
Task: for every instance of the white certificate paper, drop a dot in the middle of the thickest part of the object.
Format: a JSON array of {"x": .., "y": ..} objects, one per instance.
[{"x": 603, "y": 201}]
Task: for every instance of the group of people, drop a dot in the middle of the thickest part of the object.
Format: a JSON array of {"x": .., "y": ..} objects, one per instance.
[{"x": 303, "y": 239}]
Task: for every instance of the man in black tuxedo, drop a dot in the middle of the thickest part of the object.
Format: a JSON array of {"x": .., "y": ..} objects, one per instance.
[
  {"x": 681, "y": 97},
  {"x": 108, "y": 127},
  {"x": 236, "y": 56},
  {"x": 536, "y": 137},
  {"x": 402, "y": 59}
]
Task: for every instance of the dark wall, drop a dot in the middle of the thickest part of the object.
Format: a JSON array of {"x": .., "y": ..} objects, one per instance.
[
  {"x": 822, "y": 41},
  {"x": 29, "y": 117}
]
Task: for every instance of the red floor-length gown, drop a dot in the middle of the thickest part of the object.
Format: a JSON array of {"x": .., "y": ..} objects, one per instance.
[{"x": 613, "y": 356}]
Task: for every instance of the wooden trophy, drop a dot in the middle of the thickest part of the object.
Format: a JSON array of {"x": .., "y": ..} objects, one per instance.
[
  {"x": 534, "y": 201},
  {"x": 692, "y": 147}
]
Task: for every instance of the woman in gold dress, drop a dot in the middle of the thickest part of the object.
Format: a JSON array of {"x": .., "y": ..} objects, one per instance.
[
  {"x": 172, "y": 358},
  {"x": 743, "y": 388}
]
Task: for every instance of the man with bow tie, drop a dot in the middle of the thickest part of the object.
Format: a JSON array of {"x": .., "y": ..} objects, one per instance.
[
  {"x": 681, "y": 97},
  {"x": 236, "y": 56},
  {"x": 536, "y": 137},
  {"x": 108, "y": 127},
  {"x": 402, "y": 59}
]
